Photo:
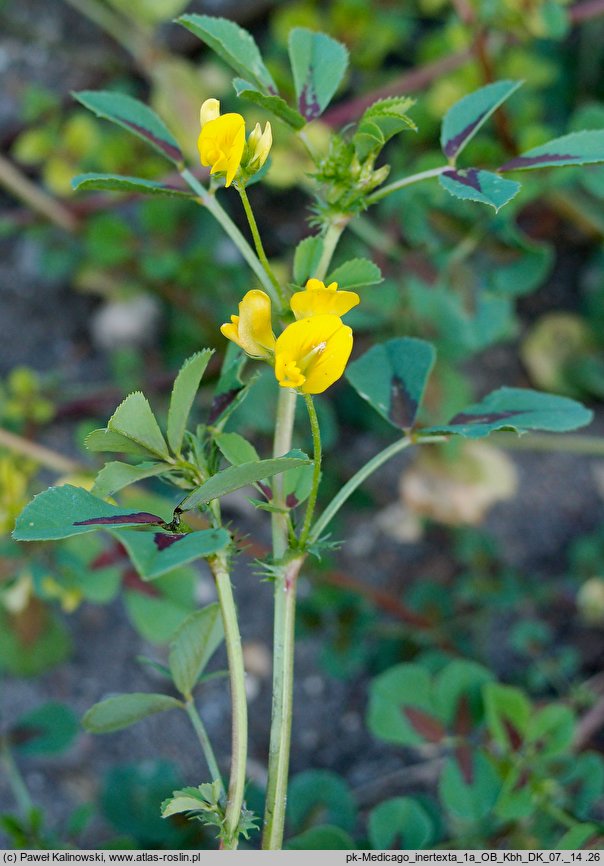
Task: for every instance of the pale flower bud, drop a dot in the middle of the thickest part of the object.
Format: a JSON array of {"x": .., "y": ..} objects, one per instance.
[
  {"x": 258, "y": 147},
  {"x": 210, "y": 110}
]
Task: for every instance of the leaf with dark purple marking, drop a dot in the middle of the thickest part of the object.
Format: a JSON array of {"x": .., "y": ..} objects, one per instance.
[
  {"x": 122, "y": 183},
  {"x": 519, "y": 410},
  {"x": 234, "y": 45},
  {"x": 469, "y": 793},
  {"x": 576, "y": 148},
  {"x": 475, "y": 184},
  {"x": 61, "y": 512},
  {"x": 134, "y": 116},
  {"x": 136, "y": 518},
  {"x": 465, "y": 118},
  {"x": 428, "y": 727},
  {"x": 463, "y": 756},
  {"x": 155, "y": 554},
  {"x": 400, "y": 823},
  {"x": 392, "y": 377},
  {"x": 318, "y": 64}
]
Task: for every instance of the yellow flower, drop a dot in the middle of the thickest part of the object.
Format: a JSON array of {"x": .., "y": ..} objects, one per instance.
[
  {"x": 311, "y": 354},
  {"x": 258, "y": 147},
  {"x": 221, "y": 141},
  {"x": 252, "y": 329},
  {"x": 317, "y": 299}
]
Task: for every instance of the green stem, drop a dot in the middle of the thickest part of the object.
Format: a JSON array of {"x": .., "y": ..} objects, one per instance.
[
  {"x": 330, "y": 241},
  {"x": 283, "y": 679},
  {"x": 282, "y": 443},
  {"x": 219, "y": 567},
  {"x": 221, "y": 216},
  {"x": 206, "y": 745},
  {"x": 577, "y": 444},
  {"x": 383, "y": 191},
  {"x": 359, "y": 477},
  {"x": 316, "y": 476},
  {"x": 15, "y": 780},
  {"x": 258, "y": 243}
]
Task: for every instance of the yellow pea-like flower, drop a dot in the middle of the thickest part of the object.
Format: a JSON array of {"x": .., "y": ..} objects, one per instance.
[
  {"x": 311, "y": 354},
  {"x": 221, "y": 141},
  {"x": 317, "y": 299},
  {"x": 252, "y": 328}
]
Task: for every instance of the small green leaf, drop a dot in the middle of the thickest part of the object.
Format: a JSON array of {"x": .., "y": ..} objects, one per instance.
[
  {"x": 392, "y": 694},
  {"x": 157, "y": 553},
  {"x": 47, "y": 730},
  {"x": 185, "y": 388},
  {"x": 465, "y": 118},
  {"x": 576, "y": 148},
  {"x": 306, "y": 258},
  {"x": 355, "y": 274},
  {"x": 155, "y": 618},
  {"x": 380, "y": 122},
  {"x": 60, "y": 512},
  {"x": 552, "y": 729},
  {"x": 402, "y": 823},
  {"x": 323, "y": 838},
  {"x": 236, "y": 449},
  {"x": 195, "y": 642},
  {"x": 392, "y": 377},
  {"x": 134, "y": 419},
  {"x": 475, "y": 184},
  {"x": 121, "y": 711},
  {"x": 134, "y": 116},
  {"x": 274, "y": 104},
  {"x": 320, "y": 796},
  {"x": 106, "y": 440},
  {"x": 519, "y": 410},
  {"x": 473, "y": 794},
  {"x": 115, "y": 476},
  {"x": 508, "y": 712},
  {"x": 318, "y": 64},
  {"x": 234, "y": 45},
  {"x": 121, "y": 183},
  {"x": 235, "y": 477}
]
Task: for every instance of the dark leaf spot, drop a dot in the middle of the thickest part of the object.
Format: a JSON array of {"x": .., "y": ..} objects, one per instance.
[
  {"x": 112, "y": 556},
  {"x": 487, "y": 418},
  {"x": 132, "y": 580},
  {"x": 513, "y": 734},
  {"x": 462, "y": 723},
  {"x": 169, "y": 149},
  {"x": 426, "y": 725},
  {"x": 403, "y": 407},
  {"x": 221, "y": 403},
  {"x": 266, "y": 490},
  {"x": 463, "y": 756},
  {"x": 291, "y": 500},
  {"x": 453, "y": 144},
  {"x": 307, "y": 103},
  {"x": 22, "y": 734},
  {"x": 467, "y": 177},
  {"x": 162, "y": 541},
  {"x": 526, "y": 161},
  {"x": 142, "y": 517}
]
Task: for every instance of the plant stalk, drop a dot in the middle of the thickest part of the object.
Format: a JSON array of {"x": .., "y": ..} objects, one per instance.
[
  {"x": 219, "y": 567},
  {"x": 34, "y": 197},
  {"x": 316, "y": 476},
  {"x": 359, "y": 477},
  {"x": 258, "y": 243},
  {"x": 285, "y": 601},
  {"x": 204, "y": 741},
  {"x": 15, "y": 780},
  {"x": 384, "y": 191},
  {"x": 221, "y": 216}
]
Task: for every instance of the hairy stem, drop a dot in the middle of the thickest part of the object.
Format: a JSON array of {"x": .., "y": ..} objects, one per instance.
[
  {"x": 15, "y": 780},
  {"x": 204, "y": 741},
  {"x": 219, "y": 567},
  {"x": 221, "y": 216},
  {"x": 258, "y": 244},
  {"x": 383, "y": 191},
  {"x": 359, "y": 477},
  {"x": 316, "y": 477}
]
